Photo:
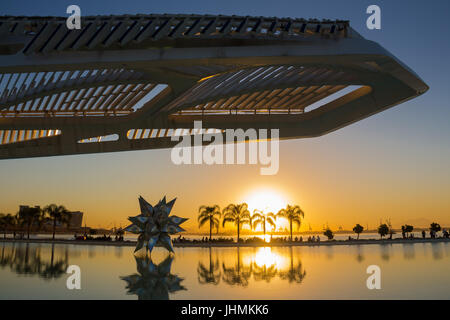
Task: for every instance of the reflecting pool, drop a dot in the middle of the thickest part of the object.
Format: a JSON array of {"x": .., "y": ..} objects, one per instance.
[{"x": 38, "y": 271}]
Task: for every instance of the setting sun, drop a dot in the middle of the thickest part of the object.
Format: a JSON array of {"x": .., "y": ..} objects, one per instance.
[{"x": 266, "y": 200}]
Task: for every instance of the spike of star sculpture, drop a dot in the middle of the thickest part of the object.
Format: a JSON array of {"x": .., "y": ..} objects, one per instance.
[{"x": 154, "y": 225}]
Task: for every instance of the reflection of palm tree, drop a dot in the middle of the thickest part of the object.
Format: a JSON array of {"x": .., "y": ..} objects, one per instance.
[
  {"x": 259, "y": 217},
  {"x": 237, "y": 275},
  {"x": 295, "y": 273},
  {"x": 238, "y": 214},
  {"x": 264, "y": 273},
  {"x": 293, "y": 214},
  {"x": 408, "y": 251},
  {"x": 211, "y": 275},
  {"x": 208, "y": 214},
  {"x": 385, "y": 252},
  {"x": 240, "y": 274},
  {"x": 359, "y": 256},
  {"x": 154, "y": 282},
  {"x": 28, "y": 261},
  {"x": 54, "y": 269},
  {"x": 5, "y": 257},
  {"x": 436, "y": 250}
]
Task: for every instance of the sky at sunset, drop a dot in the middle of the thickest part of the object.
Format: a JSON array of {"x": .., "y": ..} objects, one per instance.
[{"x": 392, "y": 165}]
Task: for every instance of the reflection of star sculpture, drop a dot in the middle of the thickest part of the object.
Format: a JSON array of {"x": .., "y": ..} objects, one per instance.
[
  {"x": 154, "y": 282},
  {"x": 154, "y": 225}
]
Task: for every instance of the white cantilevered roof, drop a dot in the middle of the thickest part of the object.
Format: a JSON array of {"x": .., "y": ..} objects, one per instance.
[{"x": 140, "y": 78}]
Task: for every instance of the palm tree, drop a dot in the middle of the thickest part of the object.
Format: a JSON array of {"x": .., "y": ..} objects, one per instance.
[
  {"x": 293, "y": 214},
  {"x": 436, "y": 227},
  {"x": 358, "y": 229},
  {"x": 29, "y": 215},
  {"x": 238, "y": 214},
  {"x": 383, "y": 230},
  {"x": 329, "y": 234},
  {"x": 407, "y": 229},
  {"x": 57, "y": 214},
  {"x": 208, "y": 214},
  {"x": 259, "y": 217},
  {"x": 3, "y": 224},
  {"x": 8, "y": 221},
  {"x": 41, "y": 219}
]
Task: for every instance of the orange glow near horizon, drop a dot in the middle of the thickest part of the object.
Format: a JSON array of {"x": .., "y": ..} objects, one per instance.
[{"x": 348, "y": 190}]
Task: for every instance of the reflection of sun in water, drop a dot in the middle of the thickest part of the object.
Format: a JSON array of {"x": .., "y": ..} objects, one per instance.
[{"x": 265, "y": 257}]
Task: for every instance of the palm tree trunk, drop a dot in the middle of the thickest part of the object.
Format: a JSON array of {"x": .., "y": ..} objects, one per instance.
[
  {"x": 28, "y": 230},
  {"x": 264, "y": 228},
  {"x": 290, "y": 226},
  {"x": 54, "y": 228},
  {"x": 210, "y": 228},
  {"x": 358, "y": 236},
  {"x": 238, "y": 232}
]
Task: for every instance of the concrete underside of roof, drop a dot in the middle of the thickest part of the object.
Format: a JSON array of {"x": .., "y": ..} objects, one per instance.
[{"x": 53, "y": 99}]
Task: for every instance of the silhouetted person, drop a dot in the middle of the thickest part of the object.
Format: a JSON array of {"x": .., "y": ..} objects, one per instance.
[{"x": 424, "y": 234}]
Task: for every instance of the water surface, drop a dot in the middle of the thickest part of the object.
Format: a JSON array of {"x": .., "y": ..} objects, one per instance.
[{"x": 409, "y": 271}]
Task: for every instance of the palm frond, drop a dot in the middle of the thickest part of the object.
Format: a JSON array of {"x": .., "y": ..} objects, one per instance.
[
  {"x": 203, "y": 221},
  {"x": 225, "y": 220},
  {"x": 271, "y": 222}
]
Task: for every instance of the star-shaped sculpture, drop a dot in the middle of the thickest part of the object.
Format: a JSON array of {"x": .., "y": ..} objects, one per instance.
[{"x": 154, "y": 225}]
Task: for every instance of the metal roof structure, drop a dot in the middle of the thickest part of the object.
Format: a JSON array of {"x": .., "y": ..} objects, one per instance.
[{"x": 131, "y": 82}]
